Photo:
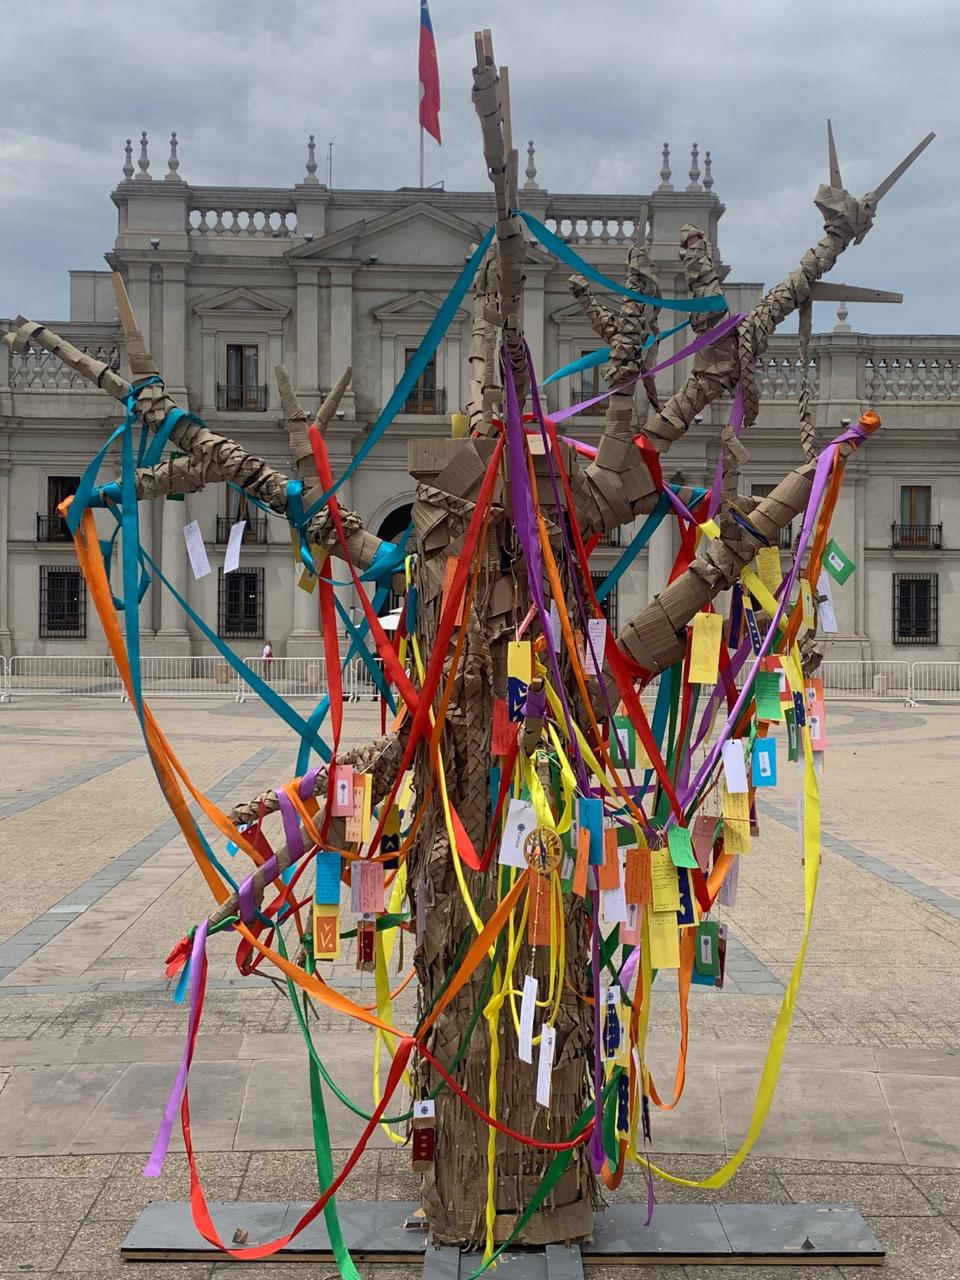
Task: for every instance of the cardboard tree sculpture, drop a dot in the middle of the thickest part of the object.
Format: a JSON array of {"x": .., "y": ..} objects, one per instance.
[{"x": 547, "y": 823}]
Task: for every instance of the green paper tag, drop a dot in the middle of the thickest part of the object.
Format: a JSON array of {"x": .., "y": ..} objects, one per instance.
[
  {"x": 793, "y": 737},
  {"x": 681, "y": 847},
  {"x": 837, "y": 563},
  {"x": 706, "y": 955},
  {"x": 623, "y": 742},
  {"x": 766, "y": 690}
]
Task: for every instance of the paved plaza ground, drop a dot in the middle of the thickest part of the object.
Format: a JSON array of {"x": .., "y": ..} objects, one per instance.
[{"x": 98, "y": 885}]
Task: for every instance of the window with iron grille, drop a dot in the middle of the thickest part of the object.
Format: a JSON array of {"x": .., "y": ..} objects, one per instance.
[
  {"x": 916, "y": 530},
  {"x": 426, "y": 397},
  {"x": 786, "y": 534},
  {"x": 916, "y": 608},
  {"x": 240, "y": 605},
  {"x": 51, "y": 527},
  {"x": 242, "y": 391},
  {"x": 609, "y": 604},
  {"x": 63, "y": 602}
]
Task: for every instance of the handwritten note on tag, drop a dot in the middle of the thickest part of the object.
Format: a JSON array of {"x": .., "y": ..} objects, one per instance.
[
  {"x": 231, "y": 557},
  {"x": 196, "y": 551},
  {"x": 528, "y": 1007},
  {"x": 826, "y": 613},
  {"x": 548, "y": 1047},
  {"x": 597, "y": 643}
]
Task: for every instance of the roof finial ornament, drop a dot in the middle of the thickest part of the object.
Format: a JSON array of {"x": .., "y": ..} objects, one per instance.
[
  {"x": 707, "y": 172},
  {"x": 694, "y": 184},
  {"x": 841, "y": 326},
  {"x": 311, "y": 180},
  {"x": 128, "y": 160},
  {"x": 144, "y": 161},
  {"x": 531, "y": 183},
  {"x": 173, "y": 164},
  {"x": 665, "y": 173}
]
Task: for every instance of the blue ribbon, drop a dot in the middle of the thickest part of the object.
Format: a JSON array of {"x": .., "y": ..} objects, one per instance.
[
  {"x": 640, "y": 540},
  {"x": 561, "y": 250}
]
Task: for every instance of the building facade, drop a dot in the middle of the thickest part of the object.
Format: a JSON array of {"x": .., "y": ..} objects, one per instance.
[{"x": 228, "y": 282}]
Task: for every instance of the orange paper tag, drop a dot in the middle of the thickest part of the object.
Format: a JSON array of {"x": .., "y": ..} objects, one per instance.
[
  {"x": 538, "y": 911},
  {"x": 608, "y": 873},
  {"x": 583, "y": 863},
  {"x": 504, "y": 729},
  {"x": 638, "y": 887}
]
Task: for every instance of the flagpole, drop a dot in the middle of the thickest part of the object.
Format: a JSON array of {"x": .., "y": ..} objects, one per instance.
[{"x": 421, "y": 157}]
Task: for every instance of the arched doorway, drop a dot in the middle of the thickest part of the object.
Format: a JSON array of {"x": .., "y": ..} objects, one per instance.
[{"x": 392, "y": 528}]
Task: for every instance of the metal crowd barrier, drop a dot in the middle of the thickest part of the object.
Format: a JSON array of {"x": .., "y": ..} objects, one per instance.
[{"x": 209, "y": 676}]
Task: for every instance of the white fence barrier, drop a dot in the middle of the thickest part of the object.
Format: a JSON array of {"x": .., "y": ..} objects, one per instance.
[{"x": 211, "y": 677}]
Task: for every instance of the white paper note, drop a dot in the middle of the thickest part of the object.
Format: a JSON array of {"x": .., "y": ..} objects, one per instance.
[
  {"x": 614, "y": 906},
  {"x": 521, "y": 820},
  {"x": 597, "y": 643},
  {"x": 231, "y": 558},
  {"x": 727, "y": 897},
  {"x": 734, "y": 767},
  {"x": 548, "y": 1045},
  {"x": 528, "y": 1007},
  {"x": 555, "y": 624},
  {"x": 826, "y": 615},
  {"x": 196, "y": 551}
]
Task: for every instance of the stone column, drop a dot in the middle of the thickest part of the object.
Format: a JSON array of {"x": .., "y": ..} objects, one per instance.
[
  {"x": 304, "y": 640},
  {"x": 174, "y": 307},
  {"x": 173, "y": 636},
  {"x": 660, "y": 557},
  {"x": 6, "y": 638},
  {"x": 308, "y": 333},
  {"x": 533, "y": 321},
  {"x": 341, "y": 331}
]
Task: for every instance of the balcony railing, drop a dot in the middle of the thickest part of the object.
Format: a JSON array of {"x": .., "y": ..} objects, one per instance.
[
  {"x": 426, "y": 401},
  {"x": 917, "y": 537},
  {"x": 52, "y": 528},
  {"x": 241, "y": 398},
  {"x": 255, "y": 530}
]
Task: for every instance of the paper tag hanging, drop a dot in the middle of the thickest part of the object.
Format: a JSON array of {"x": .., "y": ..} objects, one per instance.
[
  {"x": 327, "y": 866},
  {"x": 754, "y": 630},
  {"x": 424, "y": 1136},
  {"x": 366, "y": 946},
  {"x": 504, "y": 732},
  {"x": 768, "y": 568},
  {"x": 806, "y": 605},
  {"x": 703, "y": 836},
  {"x": 664, "y": 939},
  {"x": 519, "y": 675},
  {"x": 623, "y": 742},
  {"x": 707, "y": 633},
  {"x": 736, "y": 821},
  {"x": 734, "y": 768},
  {"x": 539, "y": 909},
  {"x": 706, "y": 951},
  {"x": 596, "y": 646},
  {"x": 727, "y": 895},
  {"x": 357, "y": 828},
  {"x": 548, "y": 1046},
  {"x": 341, "y": 803},
  {"x": 528, "y": 1007},
  {"x": 681, "y": 848},
  {"x": 231, "y": 557},
  {"x": 521, "y": 820},
  {"x": 826, "y": 614},
  {"x": 196, "y": 551},
  {"x": 766, "y": 691},
  {"x": 764, "y": 767},
  {"x": 664, "y": 888},
  {"x": 837, "y": 563},
  {"x": 612, "y": 1030},
  {"x": 326, "y": 931}
]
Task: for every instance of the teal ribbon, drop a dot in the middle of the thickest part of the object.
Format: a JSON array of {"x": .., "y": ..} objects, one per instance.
[
  {"x": 593, "y": 358},
  {"x": 553, "y": 244}
]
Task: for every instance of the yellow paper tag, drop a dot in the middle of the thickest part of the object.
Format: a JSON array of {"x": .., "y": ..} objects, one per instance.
[
  {"x": 307, "y": 582},
  {"x": 736, "y": 821},
  {"x": 295, "y": 543},
  {"x": 459, "y": 423},
  {"x": 664, "y": 939},
  {"x": 705, "y": 648},
  {"x": 326, "y": 931},
  {"x": 710, "y": 528},
  {"x": 806, "y": 604},
  {"x": 663, "y": 880},
  {"x": 768, "y": 567},
  {"x": 520, "y": 660}
]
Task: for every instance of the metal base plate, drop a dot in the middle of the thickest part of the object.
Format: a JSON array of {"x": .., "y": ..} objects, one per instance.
[{"x": 374, "y": 1232}]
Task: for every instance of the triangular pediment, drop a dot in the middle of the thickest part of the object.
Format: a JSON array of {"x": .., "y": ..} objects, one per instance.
[
  {"x": 418, "y": 232},
  {"x": 239, "y": 302},
  {"x": 418, "y": 305}
]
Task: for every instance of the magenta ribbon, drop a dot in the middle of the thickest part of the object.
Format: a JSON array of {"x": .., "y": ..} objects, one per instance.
[
  {"x": 198, "y": 982},
  {"x": 699, "y": 344}
]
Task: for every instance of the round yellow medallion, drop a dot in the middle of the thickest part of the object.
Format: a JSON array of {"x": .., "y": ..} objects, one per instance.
[{"x": 543, "y": 850}]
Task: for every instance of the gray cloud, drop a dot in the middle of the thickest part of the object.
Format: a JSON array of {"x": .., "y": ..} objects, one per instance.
[{"x": 600, "y": 86}]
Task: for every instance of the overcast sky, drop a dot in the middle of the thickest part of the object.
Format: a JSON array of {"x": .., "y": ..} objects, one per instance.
[{"x": 599, "y": 84}]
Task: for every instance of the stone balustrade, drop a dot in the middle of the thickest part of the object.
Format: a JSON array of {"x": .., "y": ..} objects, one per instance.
[
  {"x": 41, "y": 370},
  {"x": 269, "y": 214},
  {"x": 900, "y": 375},
  {"x": 578, "y": 220}
]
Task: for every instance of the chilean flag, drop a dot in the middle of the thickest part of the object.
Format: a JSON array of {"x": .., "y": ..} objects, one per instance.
[{"x": 429, "y": 76}]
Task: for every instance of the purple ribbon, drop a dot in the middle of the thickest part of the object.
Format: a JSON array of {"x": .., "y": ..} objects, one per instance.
[
  {"x": 198, "y": 965},
  {"x": 291, "y": 825},
  {"x": 699, "y": 344},
  {"x": 308, "y": 782},
  {"x": 245, "y": 903}
]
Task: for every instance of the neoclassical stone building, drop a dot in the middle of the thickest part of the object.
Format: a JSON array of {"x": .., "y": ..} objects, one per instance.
[{"x": 227, "y": 282}]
